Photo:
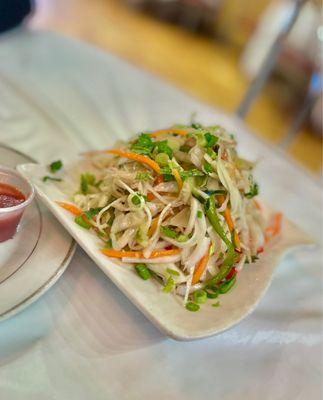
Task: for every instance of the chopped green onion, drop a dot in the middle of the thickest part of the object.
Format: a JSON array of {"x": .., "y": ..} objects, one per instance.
[
  {"x": 211, "y": 293},
  {"x": 169, "y": 285},
  {"x": 182, "y": 238},
  {"x": 168, "y": 232},
  {"x": 225, "y": 287},
  {"x": 207, "y": 167},
  {"x": 81, "y": 222},
  {"x": 92, "y": 212},
  {"x": 143, "y": 271},
  {"x": 162, "y": 159},
  {"x": 195, "y": 125},
  {"x": 199, "y": 214},
  {"x": 200, "y": 296},
  {"x": 211, "y": 140},
  {"x": 50, "y": 178},
  {"x": 86, "y": 181},
  {"x": 135, "y": 200},
  {"x": 55, "y": 166},
  {"x": 173, "y": 272},
  {"x": 190, "y": 306},
  {"x": 108, "y": 244},
  {"x": 211, "y": 153},
  {"x": 254, "y": 190},
  {"x": 217, "y": 304},
  {"x": 163, "y": 147}
]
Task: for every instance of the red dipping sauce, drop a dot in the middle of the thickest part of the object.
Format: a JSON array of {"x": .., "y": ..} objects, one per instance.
[
  {"x": 15, "y": 194},
  {"x": 10, "y": 196}
]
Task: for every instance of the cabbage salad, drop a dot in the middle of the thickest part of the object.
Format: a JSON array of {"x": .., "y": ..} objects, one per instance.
[{"x": 178, "y": 205}]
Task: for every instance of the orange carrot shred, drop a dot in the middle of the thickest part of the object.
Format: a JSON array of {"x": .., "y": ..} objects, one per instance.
[
  {"x": 153, "y": 226},
  {"x": 200, "y": 267},
  {"x": 70, "y": 207},
  {"x": 178, "y": 179},
  {"x": 139, "y": 254},
  {"x": 136, "y": 157},
  {"x": 228, "y": 219}
]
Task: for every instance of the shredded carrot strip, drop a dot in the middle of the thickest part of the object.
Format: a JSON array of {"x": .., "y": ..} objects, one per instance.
[
  {"x": 228, "y": 219},
  {"x": 177, "y": 178},
  {"x": 139, "y": 254},
  {"x": 275, "y": 228},
  {"x": 70, "y": 207},
  {"x": 153, "y": 226},
  {"x": 136, "y": 157},
  {"x": 200, "y": 267},
  {"x": 177, "y": 131}
]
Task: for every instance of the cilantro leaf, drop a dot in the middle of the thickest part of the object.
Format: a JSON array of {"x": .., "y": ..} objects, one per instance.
[{"x": 55, "y": 166}]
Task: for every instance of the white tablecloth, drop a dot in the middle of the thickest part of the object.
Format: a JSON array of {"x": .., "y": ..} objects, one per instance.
[{"x": 84, "y": 339}]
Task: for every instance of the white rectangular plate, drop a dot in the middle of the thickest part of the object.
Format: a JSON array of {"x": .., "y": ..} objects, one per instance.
[{"x": 166, "y": 311}]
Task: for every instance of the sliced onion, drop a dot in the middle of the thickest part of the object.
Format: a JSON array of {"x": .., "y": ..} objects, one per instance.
[
  {"x": 199, "y": 251},
  {"x": 193, "y": 216},
  {"x": 170, "y": 187},
  {"x": 235, "y": 197},
  {"x": 168, "y": 259}
]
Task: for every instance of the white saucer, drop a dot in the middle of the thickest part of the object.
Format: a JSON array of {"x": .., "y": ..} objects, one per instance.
[{"x": 36, "y": 257}]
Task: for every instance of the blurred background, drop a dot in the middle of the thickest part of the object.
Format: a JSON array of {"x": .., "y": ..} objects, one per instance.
[{"x": 259, "y": 59}]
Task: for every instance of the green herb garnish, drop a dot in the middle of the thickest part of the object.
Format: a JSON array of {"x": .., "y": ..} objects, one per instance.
[
  {"x": 217, "y": 304},
  {"x": 50, "y": 178},
  {"x": 162, "y": 147},
  {"x": 199, "y": 214},
  {"x": 207, "y": 167},
  {"x": 254, "y": 190},
  {"x": 210, "y": 139},
  {"x": 55, "y": 166},
  {"x": 143, "y": 145}
]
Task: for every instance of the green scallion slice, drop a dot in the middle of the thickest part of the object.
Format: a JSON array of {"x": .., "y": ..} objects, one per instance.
[
  {"x": 143, "y": 271},
  {"x": 190, "y": 306}
]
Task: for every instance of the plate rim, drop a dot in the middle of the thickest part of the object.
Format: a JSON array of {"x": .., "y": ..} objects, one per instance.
[{"x": 53, "y": 278}]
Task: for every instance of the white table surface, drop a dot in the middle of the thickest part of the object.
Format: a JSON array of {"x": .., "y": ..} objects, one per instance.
[{"x": 83, "y": 339}]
